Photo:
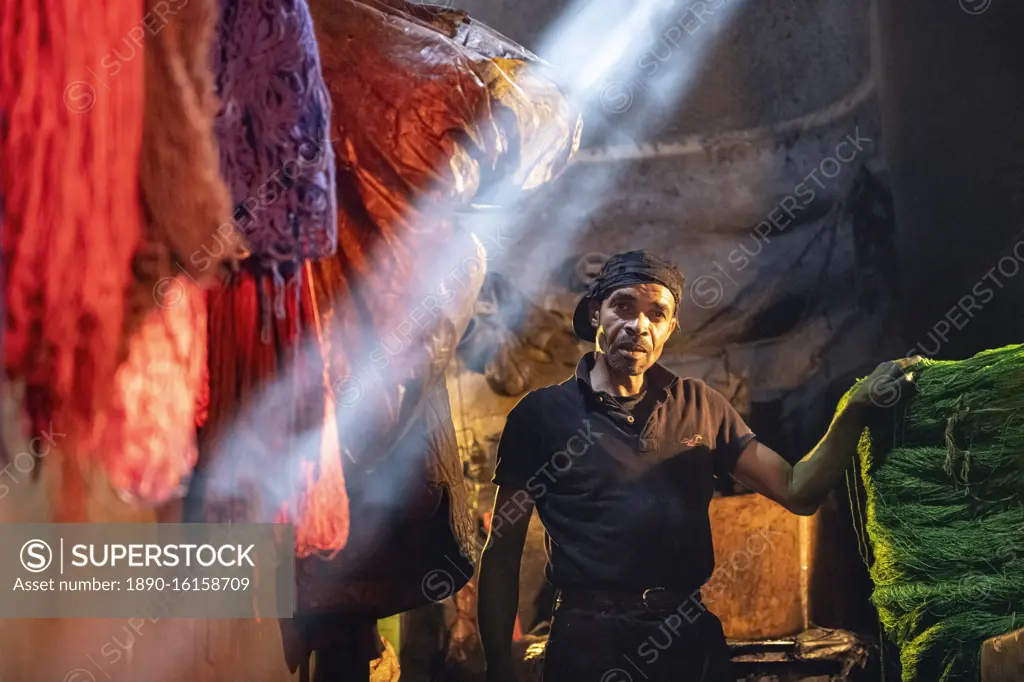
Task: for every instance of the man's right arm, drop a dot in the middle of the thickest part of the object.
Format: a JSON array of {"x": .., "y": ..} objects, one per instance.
[{"x": 498, "y": 599}]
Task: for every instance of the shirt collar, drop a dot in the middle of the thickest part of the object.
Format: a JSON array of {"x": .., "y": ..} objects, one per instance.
[{"x": 659, "y": 378}]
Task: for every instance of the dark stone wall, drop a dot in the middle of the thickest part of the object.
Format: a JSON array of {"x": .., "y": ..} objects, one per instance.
[
  {"x": 745, "y": 63},
  {"x": 953, "y": 122}
]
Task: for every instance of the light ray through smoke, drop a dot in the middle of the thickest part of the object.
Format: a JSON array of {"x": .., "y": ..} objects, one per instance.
[
  {"x": 657, "y": 69},
  {"x": 593, "y": 44}
]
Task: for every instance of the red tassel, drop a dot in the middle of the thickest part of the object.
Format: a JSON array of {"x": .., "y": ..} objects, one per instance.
[
  {"x": 243, "y": 369},
  {"x": 323, "y": 509}
]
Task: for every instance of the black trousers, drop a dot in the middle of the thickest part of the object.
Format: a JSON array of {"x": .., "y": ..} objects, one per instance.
[{"x": 684, "y": 645}]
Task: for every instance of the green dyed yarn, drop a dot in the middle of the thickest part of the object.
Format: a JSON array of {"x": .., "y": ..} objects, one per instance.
[{"x": 944, "y": 478}]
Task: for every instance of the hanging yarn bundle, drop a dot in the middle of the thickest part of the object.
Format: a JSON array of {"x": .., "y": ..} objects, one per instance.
[
  {"x": 945, "y": 513},
  {"x": 69, "y": 169},
  {"x": 146, "y": 440},
  {"x": 188, "y": 207},
  {"x": 273, "y": 129},
  {"x": 114, "y": 107},
  {"x": 265, "y": 404},
  {"x": 322, "y": 503}
]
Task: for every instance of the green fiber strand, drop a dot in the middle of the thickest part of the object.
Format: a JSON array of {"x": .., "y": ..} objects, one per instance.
[{"x": 943, "y": 478}]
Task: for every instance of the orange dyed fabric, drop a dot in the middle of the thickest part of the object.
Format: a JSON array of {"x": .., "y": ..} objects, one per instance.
[{"x": 69, "y": 174}]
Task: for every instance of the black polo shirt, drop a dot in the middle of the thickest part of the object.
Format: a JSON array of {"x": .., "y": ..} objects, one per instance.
[{"x": 624, "y": 501}]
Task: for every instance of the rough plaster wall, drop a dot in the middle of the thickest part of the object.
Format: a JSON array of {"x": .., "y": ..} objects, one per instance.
[
  {"x": 953, "y": 106},
  {"x": 773, "y": 60}
]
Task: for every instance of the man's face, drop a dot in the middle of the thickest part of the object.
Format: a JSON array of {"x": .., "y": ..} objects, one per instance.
[{"x": 633, "y": 324}]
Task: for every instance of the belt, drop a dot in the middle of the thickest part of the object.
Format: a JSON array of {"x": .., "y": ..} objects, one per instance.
[{"x": 654, "y": 599}]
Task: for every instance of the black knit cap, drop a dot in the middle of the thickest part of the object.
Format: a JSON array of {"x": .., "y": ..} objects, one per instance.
[{"x": 624, "y": 270}]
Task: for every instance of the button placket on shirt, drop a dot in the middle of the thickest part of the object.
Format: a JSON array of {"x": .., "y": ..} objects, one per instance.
[
  {"x": 613, "y": 411},
  {"x": 649, "y": 437},
  {"x": 646, "y": 440}
]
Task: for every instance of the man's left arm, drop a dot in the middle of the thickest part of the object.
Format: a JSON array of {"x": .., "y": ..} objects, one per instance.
[{"x": 802, "y": 487}]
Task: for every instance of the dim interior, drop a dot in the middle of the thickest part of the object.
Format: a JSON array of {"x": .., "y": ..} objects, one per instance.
[{"x": 479, "y": 341}]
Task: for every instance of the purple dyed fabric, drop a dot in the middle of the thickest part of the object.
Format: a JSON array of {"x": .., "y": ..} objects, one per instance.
[{"x": 274, "y": 130}]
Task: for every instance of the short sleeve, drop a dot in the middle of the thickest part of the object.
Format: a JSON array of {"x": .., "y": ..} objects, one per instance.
[
  {"x": 519, "y": 451},
  {"x": 732, "y": 435}
]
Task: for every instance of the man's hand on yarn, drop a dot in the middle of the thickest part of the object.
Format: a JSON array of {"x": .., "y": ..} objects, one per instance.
[{"x": 887, "y": 386}]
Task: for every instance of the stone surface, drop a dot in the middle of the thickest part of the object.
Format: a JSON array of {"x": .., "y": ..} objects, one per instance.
[
  {"x": 951, "y": 105},
  {"x": 741, "y": 64}
]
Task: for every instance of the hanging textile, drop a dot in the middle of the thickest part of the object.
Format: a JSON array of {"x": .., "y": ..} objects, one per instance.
[
  {"x": 267, "y": 402},
  {"x": 188, "y": 212},
  {"x": 250, "y": 411},
  {"x": 431, "y": 113},
  {"x": 146, "y": 440},
  {"x": 69, "y": 169},
  {"x": 110, "y": 167},
  {"x": 943, "y": 524},
  {"x": 273, "y": 129}
]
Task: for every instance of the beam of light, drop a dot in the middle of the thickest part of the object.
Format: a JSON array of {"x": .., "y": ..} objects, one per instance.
[
  {"x": 593, "y": 42},
  {"x": 657, "y": 67},
  {"x": 592, "y": 39}
]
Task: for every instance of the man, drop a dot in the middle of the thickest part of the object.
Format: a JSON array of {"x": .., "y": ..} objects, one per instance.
[{"x": 620, "y": 462}]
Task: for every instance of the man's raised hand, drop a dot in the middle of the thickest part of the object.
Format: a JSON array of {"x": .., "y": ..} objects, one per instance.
[{"x": 887, "y": 386}]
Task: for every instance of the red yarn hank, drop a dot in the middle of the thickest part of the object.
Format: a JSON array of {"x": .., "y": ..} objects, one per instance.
[
  {"x": 237, "y": 364},
  {"x": 296, "y": 443},
  {"x": 69, "y": 174},
  {"x": 146, "y": 441}
]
